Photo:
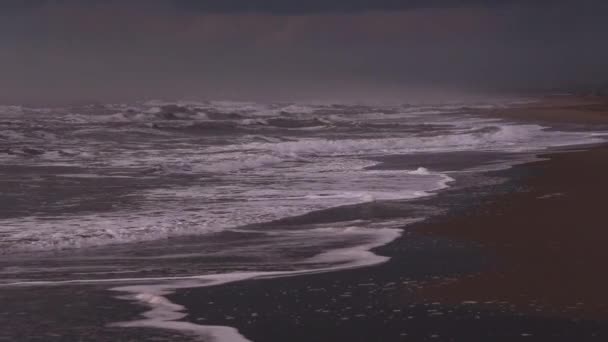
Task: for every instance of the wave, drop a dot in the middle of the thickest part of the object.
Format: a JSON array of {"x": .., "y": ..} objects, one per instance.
[
  {"x": 249, "y": 172},
  {"x": 164, "y": 314},
  {"x": 8, "y": 111},
  {"x": 222, "y": 207},
  {"x": 497, "y": 138}
]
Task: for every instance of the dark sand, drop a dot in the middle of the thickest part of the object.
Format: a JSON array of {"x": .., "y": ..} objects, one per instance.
[
  {"x": 71, "y": 314},
  {"x": 551, "y": 240}
]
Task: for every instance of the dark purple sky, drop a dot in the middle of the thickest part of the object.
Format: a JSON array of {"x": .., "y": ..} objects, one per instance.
[{"x": 81, "y": 50}]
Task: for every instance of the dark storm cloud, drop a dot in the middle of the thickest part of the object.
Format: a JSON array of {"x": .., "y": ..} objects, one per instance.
[
  {"x": 51, "y": 50},
  {"x": 323, "y": 6},
  {"x": 281, "y": 6}
]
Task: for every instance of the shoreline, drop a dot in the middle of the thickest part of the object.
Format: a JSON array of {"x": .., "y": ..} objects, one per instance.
[
  {"x": 461, "y": 282},
  {"x": 440, "y": 273}
]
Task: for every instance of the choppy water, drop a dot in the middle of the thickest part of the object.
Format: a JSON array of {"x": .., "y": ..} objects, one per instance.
[{"x": 185, "y": 191}]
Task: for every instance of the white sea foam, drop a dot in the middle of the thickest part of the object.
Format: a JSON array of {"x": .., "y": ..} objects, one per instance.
[
  {"x": 420, "y": 171},
  {"x": 164, "y": 314},
  {"x": 503, "y": 138},
  {"x": 257, "y": 182},
  {"x": 169, "y": 213}
]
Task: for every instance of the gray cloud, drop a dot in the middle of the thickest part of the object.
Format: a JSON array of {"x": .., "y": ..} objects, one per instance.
[
  {"x": 71, "y": 50},
  {"x": 324, "y": 6},
  {"x": 278, "y": 6}
]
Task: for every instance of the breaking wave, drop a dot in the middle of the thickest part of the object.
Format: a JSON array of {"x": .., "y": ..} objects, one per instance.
[{"x": 203, "y": 167}]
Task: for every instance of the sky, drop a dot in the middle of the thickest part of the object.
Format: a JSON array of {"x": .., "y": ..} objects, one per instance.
[{"x": 68, "y": 50}]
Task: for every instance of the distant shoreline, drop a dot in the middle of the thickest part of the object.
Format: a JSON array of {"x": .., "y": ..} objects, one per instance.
[{"x": 567, "y": 109}]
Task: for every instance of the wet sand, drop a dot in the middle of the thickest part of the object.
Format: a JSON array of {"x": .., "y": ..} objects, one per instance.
[{"x": 549, "y": 237}]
